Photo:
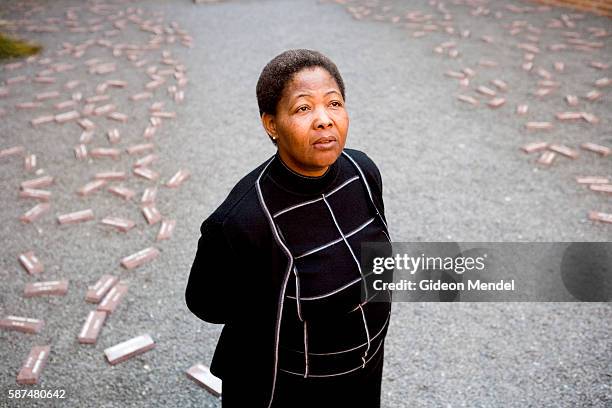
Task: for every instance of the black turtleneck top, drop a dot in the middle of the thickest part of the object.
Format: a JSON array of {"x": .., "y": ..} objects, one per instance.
[
  {"x": 292, "y": 306},
  {"x": 329, "y": 327}
]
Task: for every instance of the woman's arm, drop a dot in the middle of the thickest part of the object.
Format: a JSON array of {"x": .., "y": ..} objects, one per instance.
[
  {"x": 373, "y": 176},
  {"x": 377, "y": 187},
  {"x": 209, "y": 293}
]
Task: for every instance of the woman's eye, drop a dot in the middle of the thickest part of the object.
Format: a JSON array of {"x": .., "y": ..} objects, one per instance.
[
  {"x": 302, "y": 108},
  {"x": 337, "y": 104}
]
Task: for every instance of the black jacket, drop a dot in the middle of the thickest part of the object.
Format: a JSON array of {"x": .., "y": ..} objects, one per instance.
[{"x": 238, "y": 278}]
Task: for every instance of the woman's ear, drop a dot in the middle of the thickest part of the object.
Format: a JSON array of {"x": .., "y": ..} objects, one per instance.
[{"x": 269, "y": 125}]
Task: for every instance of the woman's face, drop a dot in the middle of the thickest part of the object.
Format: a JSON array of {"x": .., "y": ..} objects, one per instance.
[{"x": 311, "y": 122}]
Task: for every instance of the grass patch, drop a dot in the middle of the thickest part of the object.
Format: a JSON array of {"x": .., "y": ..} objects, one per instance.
[{"x": 14, "y": 48}]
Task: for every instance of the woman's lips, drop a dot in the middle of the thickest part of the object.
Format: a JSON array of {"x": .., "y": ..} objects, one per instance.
[{"x": 325, "y": 144}]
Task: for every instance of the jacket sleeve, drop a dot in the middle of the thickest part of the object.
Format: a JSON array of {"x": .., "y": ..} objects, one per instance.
[
  {"x": 377, "y": 186},
  {"x": 209, "y": 294}
]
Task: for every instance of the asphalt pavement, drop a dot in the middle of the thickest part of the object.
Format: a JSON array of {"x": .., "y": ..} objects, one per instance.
[{"x": 451, "y": 172}]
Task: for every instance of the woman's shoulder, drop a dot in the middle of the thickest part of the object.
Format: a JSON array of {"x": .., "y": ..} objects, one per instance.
[
  {"x": 366, "y": 164},
  {"x": 242, "y": 199}
]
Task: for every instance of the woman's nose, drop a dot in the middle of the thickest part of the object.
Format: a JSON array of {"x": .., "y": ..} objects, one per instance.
[{"x": 322, "y": 119}]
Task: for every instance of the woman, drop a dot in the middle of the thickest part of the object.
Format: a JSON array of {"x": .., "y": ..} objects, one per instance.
[{"x": 278, "y": 261}]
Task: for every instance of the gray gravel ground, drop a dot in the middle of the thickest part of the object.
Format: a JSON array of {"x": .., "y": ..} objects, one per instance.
[{"x": 451, "y": 172}]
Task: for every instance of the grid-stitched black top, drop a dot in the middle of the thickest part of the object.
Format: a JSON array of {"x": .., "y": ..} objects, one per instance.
[{"x": 328, "y": 328}]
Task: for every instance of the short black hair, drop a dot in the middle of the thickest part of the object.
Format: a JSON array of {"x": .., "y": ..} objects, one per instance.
[{"x": 281, "y": 69}]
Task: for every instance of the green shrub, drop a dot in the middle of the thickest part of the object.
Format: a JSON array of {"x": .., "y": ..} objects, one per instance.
[{"x": 13, "y": 48}]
